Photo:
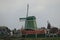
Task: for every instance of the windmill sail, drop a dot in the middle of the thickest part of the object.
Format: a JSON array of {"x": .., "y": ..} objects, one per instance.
[
  {"x": 22, "y": 19},
  {"x": 27, "y": 10}
]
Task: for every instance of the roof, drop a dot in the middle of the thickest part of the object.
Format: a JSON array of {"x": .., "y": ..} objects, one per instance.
[
  {"x": 34, "y": 32},
  {"x": 31, "y": 18}
]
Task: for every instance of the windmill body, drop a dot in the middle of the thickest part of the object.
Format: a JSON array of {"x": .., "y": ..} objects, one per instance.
[{"x": 30, "y": 23}]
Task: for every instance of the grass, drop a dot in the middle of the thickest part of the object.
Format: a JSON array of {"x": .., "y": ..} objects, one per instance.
[{"x": 55, "y": 38}]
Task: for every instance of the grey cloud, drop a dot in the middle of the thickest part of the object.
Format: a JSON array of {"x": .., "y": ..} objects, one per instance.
[{"x": 12, "y": 10}]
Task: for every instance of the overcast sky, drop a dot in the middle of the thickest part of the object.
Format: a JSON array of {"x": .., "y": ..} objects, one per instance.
[{"x": 12, "y": 10}]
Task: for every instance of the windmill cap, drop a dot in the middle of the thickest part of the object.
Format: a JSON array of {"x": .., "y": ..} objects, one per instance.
[{"x": 31, "y": 18}]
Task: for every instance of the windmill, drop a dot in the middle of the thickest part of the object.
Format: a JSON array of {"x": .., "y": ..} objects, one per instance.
[{"x": 30, "y": 21}]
